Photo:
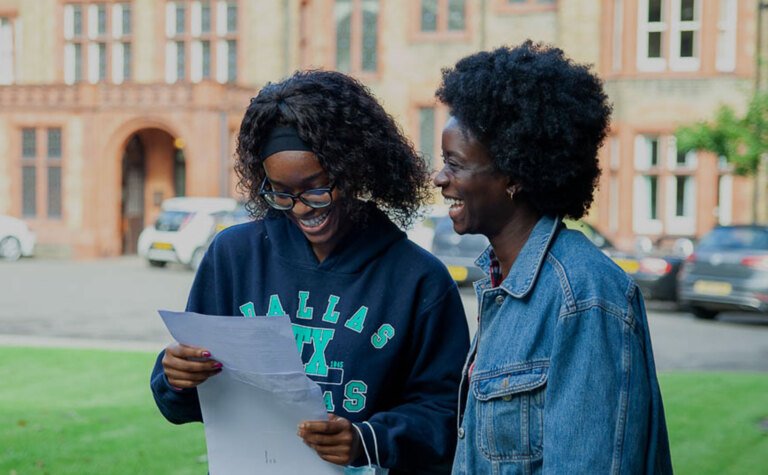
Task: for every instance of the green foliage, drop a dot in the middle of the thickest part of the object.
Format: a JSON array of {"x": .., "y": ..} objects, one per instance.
[{"x": 741, "y": 140}]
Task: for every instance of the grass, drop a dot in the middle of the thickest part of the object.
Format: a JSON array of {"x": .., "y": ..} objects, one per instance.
[
  {"x": 88, "y": 412},
  {"x": 91, "y": 412},
  {"x": 714, "y": 422}
]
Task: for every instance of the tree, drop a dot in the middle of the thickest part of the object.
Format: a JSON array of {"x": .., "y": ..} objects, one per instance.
[{"x": 742, "y": 141}]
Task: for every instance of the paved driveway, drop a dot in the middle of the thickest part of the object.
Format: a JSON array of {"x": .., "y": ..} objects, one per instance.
[{"x": 112, "y": 303}]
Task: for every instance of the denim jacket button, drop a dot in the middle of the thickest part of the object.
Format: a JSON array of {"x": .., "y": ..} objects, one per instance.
[
  {"x": 507, "y": 397},
  {"x": 499, "y": 299},
  {"x": 461, "y": 433}
]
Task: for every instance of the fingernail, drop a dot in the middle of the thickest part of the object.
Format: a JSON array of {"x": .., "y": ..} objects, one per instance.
[
  {"x": 217, "y": 365},
  {"x": 176, "y": 389},
  {"x": 206, "y": 354}
]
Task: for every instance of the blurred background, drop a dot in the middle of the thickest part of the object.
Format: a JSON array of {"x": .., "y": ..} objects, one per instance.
[
  {"x": 118, "y": 122},
  {"x": 107, "y": 108}
]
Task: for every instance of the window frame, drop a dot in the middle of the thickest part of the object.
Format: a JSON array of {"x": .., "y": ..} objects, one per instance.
[
  {"x": 42, "y": 162},
  {"x": 218, "y": 37},
  {"x": 727, "y": 33},
  {"x": 677, "y": 27},
  {"x": 356, "y": 40},
  {"x": 8, "y": 70},
  {"x": 642, "y": 222},
  {"x": 670, "y": 27},
  {"x": 101, "y": 53},
  {"x": 442, "y": 31}
]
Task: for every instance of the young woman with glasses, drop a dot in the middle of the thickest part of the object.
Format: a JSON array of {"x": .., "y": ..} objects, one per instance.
[{"x": 378, "y": 320}]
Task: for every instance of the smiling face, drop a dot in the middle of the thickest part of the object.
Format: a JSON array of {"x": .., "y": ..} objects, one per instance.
[
  {"x": 298, "y": 171},
  {"x": 471, "y": 185}
]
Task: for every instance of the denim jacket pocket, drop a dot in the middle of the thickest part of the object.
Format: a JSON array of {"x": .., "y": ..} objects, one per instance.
[{"x": 510, "y": 412}]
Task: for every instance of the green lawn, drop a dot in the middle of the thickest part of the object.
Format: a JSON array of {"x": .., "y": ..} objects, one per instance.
[
  {"x": 88, "y": 412},
  {"x": 91, "y": 412}
]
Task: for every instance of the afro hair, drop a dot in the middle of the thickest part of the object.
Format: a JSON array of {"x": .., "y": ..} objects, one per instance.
[{"x": 541, "y": 116}]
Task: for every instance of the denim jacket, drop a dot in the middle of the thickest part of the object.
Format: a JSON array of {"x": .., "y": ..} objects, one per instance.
[{"x": 563, "y": 379}]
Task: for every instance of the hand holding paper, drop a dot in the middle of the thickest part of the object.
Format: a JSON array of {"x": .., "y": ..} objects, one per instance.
[
  {"x": 188, "y": 366},
  {"x": 334, "y": 440},
  {"x": 253, "y": 407}
]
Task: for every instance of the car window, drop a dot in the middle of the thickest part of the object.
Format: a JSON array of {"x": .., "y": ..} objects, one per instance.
[
  {"x": 171, "y": 220},
  {"x": 734, "y": 239}
]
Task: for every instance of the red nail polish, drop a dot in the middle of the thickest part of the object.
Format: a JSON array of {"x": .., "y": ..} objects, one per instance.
[
  {"x": 206, "y": 354},
  {"x": 217, "y": 365}
]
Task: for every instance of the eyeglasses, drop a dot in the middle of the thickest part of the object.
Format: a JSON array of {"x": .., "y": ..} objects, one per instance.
[{"x": 315, "y": 198}]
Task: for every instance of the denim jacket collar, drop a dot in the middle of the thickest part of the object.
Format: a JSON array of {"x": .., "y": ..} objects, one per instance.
[{"x": 526, "y": 268}]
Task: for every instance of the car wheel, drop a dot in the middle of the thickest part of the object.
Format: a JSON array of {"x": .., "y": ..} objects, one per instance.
[
  {"x": 703, "y": 313},
  {"x": 10, "y": 249},
  {"x": 157, "y": 263},
  {"x": 197, "y": 258}
]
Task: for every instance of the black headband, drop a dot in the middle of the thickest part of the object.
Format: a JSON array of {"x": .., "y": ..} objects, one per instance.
[{"x": 283, "y": 138}]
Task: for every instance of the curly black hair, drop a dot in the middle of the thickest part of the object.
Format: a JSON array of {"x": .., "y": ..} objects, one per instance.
[
  {"x": 541, "y": 116},
  {"x": 357, "y": 143}
]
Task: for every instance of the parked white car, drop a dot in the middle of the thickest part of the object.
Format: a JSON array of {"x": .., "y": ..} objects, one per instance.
[
  {"x": 16, "y": 240},
  {"x": 182, "y": 230}
]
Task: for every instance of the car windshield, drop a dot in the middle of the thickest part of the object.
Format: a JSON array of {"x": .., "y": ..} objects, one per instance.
[
  {"x": 171, "y": 220},
  {"x": 735, "y": 239}
]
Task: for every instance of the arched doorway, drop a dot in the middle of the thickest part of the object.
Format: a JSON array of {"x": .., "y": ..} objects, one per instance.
[
  {"x": 153, "y": 169},
  {"x": 132, "y": 206}
]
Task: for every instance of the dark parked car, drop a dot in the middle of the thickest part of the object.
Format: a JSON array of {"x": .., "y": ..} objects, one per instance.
[
  {"x": 655, "y": 268},
  {"x": 459, "y": 252},
  {"x": 727, "y": 271}
]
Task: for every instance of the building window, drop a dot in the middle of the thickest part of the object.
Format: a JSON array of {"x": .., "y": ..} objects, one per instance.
[
  {"x": 73, "y": 34},
  {"x": 685, "y": 41},
  {"x": 668, "y": 35},
  {"x": 665, "y": 187},
  {"x": 231, "y": 60},
  {"x": 41, "y": 172},
  {"x": 190, "y": 36},
  {"x": 646, "y": 187},
  {"x": 231, "y": 17},
  {"x": 427, "y": 135},
  {"x": 681, "y": 190},
  {"x": 97, "y": 46},
  {"x": 205, "y": 17},
  {"x": 618, "y": 32},
  {"x": 726, "y": 35},
  {"x": 6, "y": 51},
  {"x": 356, "y": 35},
  {"x": 651, "y": 27},
  {"x": 439, "y": 16}
]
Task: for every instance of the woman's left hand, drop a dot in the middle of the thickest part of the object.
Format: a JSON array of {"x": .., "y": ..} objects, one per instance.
[{"x": 334, "y": 440}]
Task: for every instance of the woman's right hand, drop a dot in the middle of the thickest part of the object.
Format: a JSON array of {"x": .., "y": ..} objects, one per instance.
[{"x": 187, "y": 366}]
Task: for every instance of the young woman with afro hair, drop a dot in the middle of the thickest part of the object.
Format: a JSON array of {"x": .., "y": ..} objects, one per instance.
[
  {"x": 560, "y": 377},
  {"x": 378, "y": 321}
]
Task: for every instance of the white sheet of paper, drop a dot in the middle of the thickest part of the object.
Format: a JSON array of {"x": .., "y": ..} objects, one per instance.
[{"x": 252, "y": 409}]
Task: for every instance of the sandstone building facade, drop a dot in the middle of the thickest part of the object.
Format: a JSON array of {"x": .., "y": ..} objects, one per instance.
[{"x": 107, "y": 107}]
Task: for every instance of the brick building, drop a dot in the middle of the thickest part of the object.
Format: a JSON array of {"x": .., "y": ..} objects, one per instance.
[{"x": 109, "y": 106}]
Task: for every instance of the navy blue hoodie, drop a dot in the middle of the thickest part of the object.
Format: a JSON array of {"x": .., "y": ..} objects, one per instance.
[{"x": 379, "y": 324}]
